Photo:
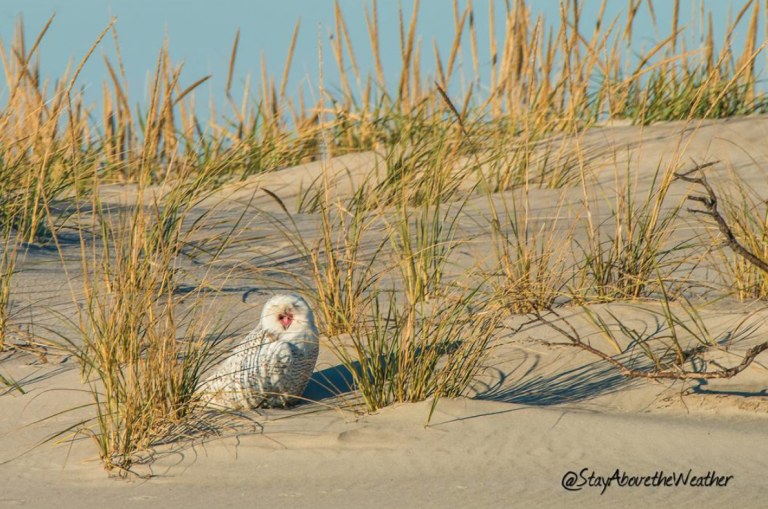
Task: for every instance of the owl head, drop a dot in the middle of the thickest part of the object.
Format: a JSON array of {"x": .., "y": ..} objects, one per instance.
[{"x": 287, "y": 313}]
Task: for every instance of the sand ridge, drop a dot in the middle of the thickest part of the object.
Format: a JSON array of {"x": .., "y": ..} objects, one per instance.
[{"x": 539, "y": 411}]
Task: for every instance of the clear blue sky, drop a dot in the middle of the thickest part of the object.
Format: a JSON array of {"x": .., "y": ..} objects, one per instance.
[{"x": 201, "y": 33}]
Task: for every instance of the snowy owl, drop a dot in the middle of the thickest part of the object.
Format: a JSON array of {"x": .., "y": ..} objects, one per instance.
[{"x": 273, "y": 364}]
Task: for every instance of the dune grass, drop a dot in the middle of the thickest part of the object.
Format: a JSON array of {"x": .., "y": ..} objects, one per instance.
[
  {"x": 625, "y": 252},
  {"x": 679, "y": 347},
  {"x": 8, "y": 257},
  {"x": 379, "y": 269},
  {"x": 142, "y": 347},
  {"x": 529, "y": 272},
  {"x": 342, "y": 273},
  {"x": 748, "y": 215},
  {"x": 408, "y": 352},
  {"x": 423, "y": 239},
  {"x": 539, "y": 83}
]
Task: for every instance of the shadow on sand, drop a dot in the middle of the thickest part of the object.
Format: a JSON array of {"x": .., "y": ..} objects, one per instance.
[
  {"x": 577, "y": 384},
  {"x": 329, "y": 383}
]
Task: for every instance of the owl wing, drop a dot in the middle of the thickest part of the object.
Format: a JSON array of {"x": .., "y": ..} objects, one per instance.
[
  {"x": 256, "y": 338},
  {"x": 227, "y": 384}
]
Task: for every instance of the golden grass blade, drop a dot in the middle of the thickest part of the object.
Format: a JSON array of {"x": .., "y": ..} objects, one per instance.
[
  {"x": 181, "y": 95},
  {"x": 473, "y": 38},
  {"x": 456, "y": 45},
  {"x": 373, "y": 35},
  {"x": 288, "y": 61},
  {"x": 87, "y": 56},
  {"x": 232, "y": 59}
]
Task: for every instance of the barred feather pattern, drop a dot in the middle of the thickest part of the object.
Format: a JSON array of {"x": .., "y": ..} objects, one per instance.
[
  {"x": 267, "y": 369},
  {"x": 262, "y": 372}
]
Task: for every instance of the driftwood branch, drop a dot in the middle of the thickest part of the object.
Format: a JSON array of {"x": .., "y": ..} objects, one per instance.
[
  {"x": 668, "y": 374},
  {"x": 709, "y": 202},
  {"x": 710, "y": 209}
]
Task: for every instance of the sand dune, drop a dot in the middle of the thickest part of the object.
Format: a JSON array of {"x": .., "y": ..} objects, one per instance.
[{"x": 538, "y": 411}]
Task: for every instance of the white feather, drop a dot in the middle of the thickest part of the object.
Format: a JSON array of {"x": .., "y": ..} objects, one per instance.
[{"x": 273, "y": 364}]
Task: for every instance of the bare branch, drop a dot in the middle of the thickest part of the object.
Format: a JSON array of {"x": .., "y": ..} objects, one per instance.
[
  {"x": 710, "y": 204},
  {"x": 670, "y": 374}
]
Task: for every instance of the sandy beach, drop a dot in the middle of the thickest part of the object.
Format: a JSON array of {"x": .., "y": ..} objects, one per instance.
[{"x": 537, "y": 412}]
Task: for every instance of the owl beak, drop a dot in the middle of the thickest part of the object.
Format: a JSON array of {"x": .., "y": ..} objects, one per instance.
[{"x": 286, "y": 319}]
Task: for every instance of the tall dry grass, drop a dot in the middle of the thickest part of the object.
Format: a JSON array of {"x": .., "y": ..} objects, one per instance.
[
  {"x": 422, "y": 240},
  {"x": 541, "y": 81},
  {"x": 680, "y": 347},
  {"x": 625, "y": 254},
  {"x": 530, "y": 269},
  {"x": 143, "y": 346},
  {"x": 407, "y": 352},
  {"x": 8, "y": 259},
  {"x": 343, "y": 270},
  {"x": 747, "y": 214}
]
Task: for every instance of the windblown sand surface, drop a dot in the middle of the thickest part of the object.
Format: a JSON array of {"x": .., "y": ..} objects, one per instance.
[{"x": 540, "y": 411}]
